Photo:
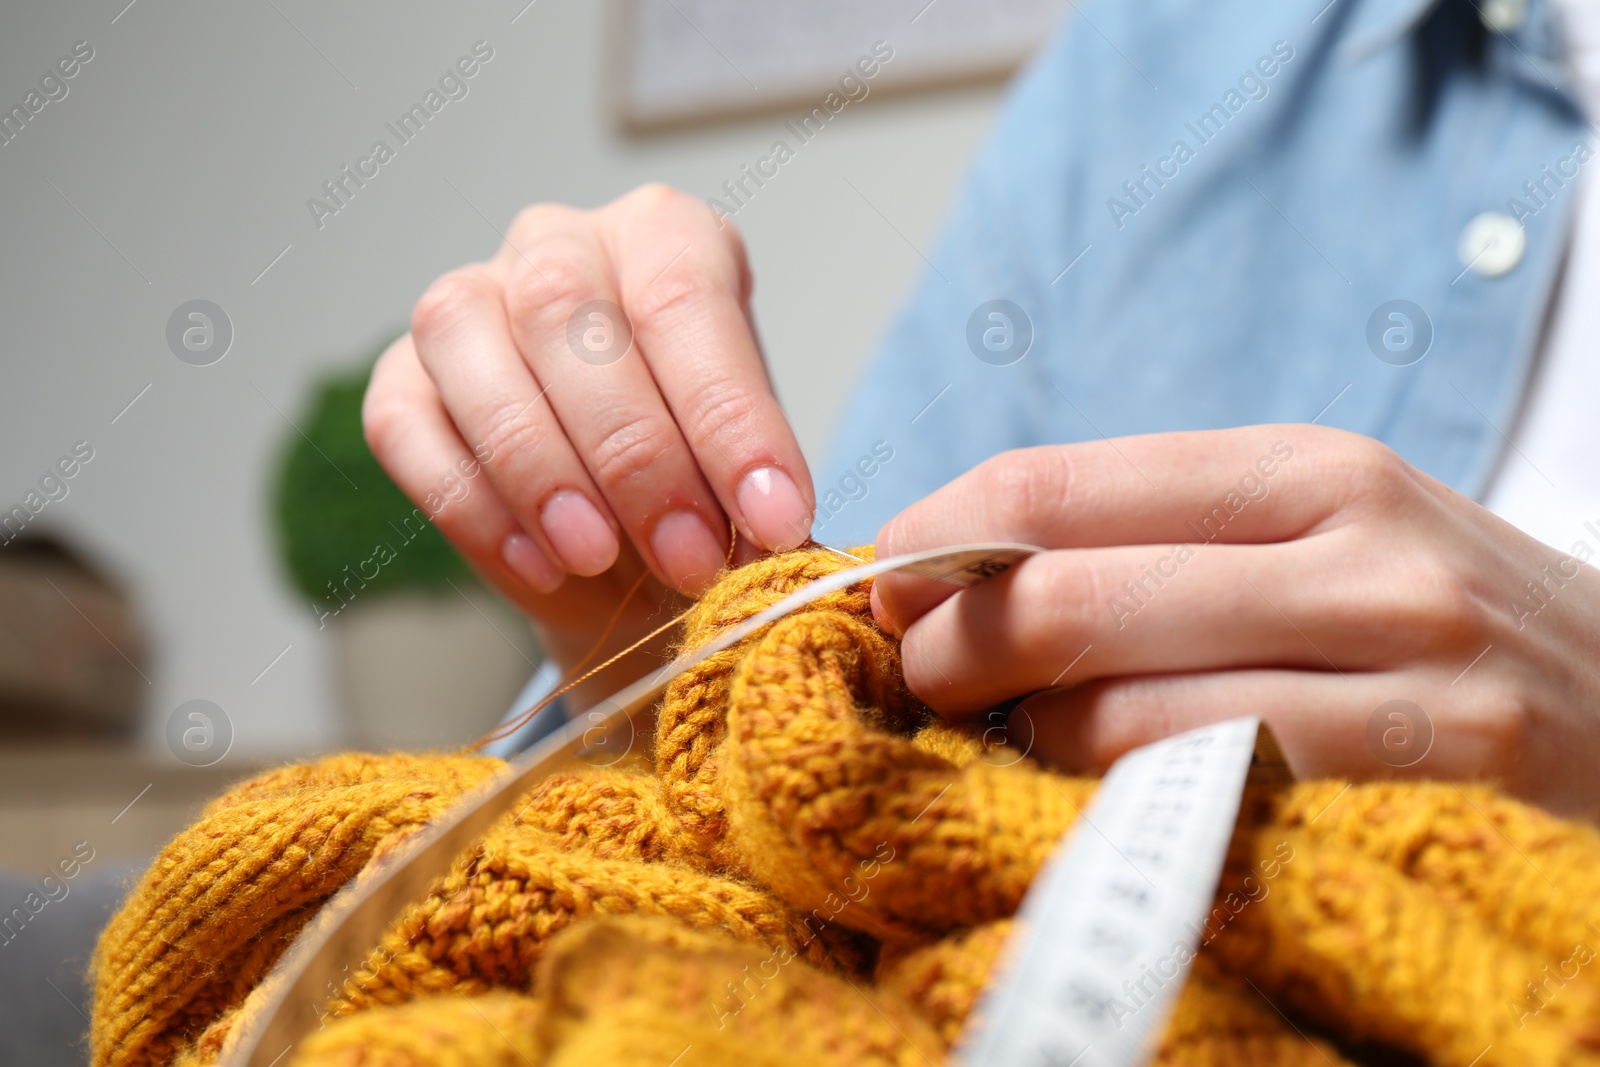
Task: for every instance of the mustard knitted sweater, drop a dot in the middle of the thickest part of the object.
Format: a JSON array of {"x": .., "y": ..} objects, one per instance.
[{"x": 803, "y": 866}]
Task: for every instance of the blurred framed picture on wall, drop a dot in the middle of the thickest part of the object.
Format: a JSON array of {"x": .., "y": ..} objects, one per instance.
[{"x": 681, "y": 62}]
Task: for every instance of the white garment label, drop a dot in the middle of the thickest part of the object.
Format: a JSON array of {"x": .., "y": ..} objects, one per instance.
[{"x": 1106, "y": 934}]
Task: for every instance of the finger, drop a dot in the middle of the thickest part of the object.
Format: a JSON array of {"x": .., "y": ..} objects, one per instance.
[
  {"x": 463, "y": 341},
  {"x": 686, "y": 284},
  {"x": 1145, "y": 609},
  {"x": 568, "y": 326},
  {"x": 1359, "y": 726},
  {"x": 1254, "y": 484},
  {"x": 411, "y": 434}
]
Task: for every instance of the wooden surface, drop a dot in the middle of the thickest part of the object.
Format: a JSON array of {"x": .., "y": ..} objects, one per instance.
[{"x": 125, "y": 803}]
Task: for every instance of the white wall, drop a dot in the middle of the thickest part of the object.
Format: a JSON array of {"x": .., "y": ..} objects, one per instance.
[{"x": 191, "y": 142}]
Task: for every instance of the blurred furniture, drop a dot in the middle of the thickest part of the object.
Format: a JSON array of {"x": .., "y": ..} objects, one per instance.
[
  {"x": 71, "y": 647},
  {"x": 126, "y": 802}
]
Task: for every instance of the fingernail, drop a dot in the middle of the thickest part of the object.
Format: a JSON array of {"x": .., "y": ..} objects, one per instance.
[
  {"x": 686, "y": 551},
  {"x": 529, "y": 564},
  {"x": 774, "y": 512},
  {"x": 579, "y": 534}
]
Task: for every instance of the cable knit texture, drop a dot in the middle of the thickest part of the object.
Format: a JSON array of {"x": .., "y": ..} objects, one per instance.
[{"x": 818, "y": 871}]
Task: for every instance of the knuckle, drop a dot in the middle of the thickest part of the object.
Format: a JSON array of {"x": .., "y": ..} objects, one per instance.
[
  {"x": 549, "y": 285},
  {"x": 1371, "y": 471},
  {"x": 535, "y": 221},
  {"x": 1059, "y": 603},
  {"x": 629, "y": 452},
  {"x": 1430, "y": 607},
  {"x": 655, "y": 197},
  {"x": 384, "y": 406},
  {"x": 1505, "y": 723},
  {"x": 445, "y": 304},
  {"x": 510, "y": 432},
  {"x": 1084, "y": 596},
  {"x": 899, "y": 532},
  {"x": 654, "y": 201},
  {"x": 381, "y": 418},
  {"x": 722, "y": 409},
  {"x": 1453, "y": 610},
  {"x": 1379, "y": 461},
  {"x": 682, "y": 293},
  {"x": 1019, "y": 489}
]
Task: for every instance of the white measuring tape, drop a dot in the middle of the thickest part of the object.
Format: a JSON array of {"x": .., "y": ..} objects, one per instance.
[
  {"x": 1108, "y": 929},
  {"x": 1200, "y": 789}
]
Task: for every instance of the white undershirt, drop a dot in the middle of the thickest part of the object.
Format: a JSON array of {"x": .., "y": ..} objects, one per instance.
[{"x": 1548, "y": 483}]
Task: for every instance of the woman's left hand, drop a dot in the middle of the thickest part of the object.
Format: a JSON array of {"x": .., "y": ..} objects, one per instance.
[{"x": 1382, "y": 622}]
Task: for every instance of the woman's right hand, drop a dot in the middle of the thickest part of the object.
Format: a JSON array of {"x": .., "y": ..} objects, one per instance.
[{"x": 604, "y": 369}]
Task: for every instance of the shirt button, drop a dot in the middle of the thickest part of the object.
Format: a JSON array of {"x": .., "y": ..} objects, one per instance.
[
  {"x": 1492, "y": 244},
  {"x": 1503, "y": 16}
]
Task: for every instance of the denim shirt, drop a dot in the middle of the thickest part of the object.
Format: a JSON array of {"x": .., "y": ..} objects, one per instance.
[
  {"x": 1195, "y": 214},
  {"x": 1198, "y": 213}
]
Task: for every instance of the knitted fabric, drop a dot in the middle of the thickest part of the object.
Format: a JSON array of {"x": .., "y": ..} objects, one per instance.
[{"x": 815, "y": 870}]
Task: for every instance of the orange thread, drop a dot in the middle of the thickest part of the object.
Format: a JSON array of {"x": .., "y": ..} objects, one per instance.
[{"x": 506, "y": 729}]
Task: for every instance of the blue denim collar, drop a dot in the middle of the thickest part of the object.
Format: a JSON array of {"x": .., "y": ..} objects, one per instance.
[
  {"x": 1378, "y": 24},
  {"x": 1534, "y": 51}
]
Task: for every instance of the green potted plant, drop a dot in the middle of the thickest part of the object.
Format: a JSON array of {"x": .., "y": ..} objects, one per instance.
[{"x": 424, "y": 655}]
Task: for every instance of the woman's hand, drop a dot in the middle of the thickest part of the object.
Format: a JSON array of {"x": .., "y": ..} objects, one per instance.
[
  {"x": 1380, "y": 621},
  {"x": 602, "y": 371}
]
